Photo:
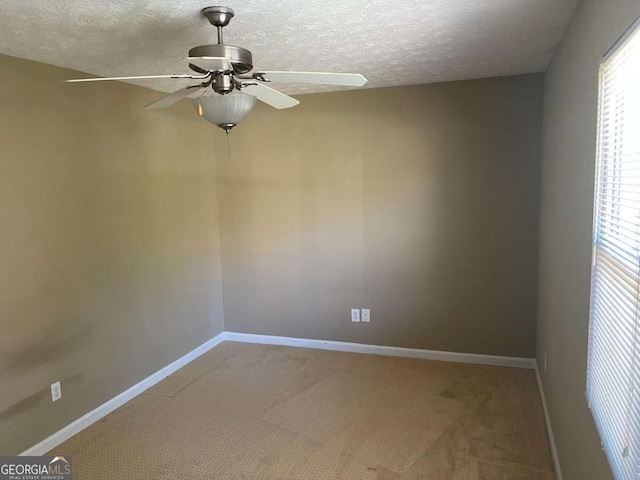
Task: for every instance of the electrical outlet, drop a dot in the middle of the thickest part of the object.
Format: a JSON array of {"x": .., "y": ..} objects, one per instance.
[
  {"x": 366, "y": 315},
  {"x": 56, "y": 391},
  {"x": 355, "y": 314}
]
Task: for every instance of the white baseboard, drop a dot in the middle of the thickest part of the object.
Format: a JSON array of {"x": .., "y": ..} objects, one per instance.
[
  {"x": 547, "y": 419},
  {"x": 96, "y": 414},
  {"x": 475, "y": 358},
  {"x": 119, "y": 400}
]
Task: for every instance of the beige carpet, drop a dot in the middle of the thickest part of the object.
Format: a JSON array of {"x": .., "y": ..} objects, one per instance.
[{"x": 246, "y": 411}]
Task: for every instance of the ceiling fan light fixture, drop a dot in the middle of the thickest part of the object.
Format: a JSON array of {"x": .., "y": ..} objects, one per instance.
[{"x": 225, "y": 111}]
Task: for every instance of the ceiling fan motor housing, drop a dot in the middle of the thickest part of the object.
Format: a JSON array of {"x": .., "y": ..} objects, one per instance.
[{"x": 240, "y": 58}]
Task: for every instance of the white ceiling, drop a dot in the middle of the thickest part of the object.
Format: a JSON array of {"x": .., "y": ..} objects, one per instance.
[{"x": 390, "y": 42}]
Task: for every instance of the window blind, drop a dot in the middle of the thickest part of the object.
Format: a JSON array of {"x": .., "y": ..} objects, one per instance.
[{"x": 613, "y": 373}]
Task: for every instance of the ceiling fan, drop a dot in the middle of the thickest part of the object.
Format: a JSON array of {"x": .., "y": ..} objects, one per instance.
[{"x": 228, "y": 70}]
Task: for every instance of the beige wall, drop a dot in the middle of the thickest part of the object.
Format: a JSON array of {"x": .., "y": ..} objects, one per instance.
[
  {"x": 109, "y": 244},
  {"x": 571, "y": 89},
  {"x": 420, "y": 203}
]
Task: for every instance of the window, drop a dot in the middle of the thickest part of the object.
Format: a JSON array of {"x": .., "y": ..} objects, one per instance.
[{"x": 613, "y": 377}]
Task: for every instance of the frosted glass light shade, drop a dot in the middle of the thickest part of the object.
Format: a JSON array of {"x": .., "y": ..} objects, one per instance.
[{"x": 226, "y": 111}]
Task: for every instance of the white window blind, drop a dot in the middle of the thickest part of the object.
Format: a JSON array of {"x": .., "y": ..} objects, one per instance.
[{"x": 613, "y": 377}]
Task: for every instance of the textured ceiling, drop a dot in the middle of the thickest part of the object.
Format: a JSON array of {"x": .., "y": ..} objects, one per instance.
[{"x": 390, "y": 42}]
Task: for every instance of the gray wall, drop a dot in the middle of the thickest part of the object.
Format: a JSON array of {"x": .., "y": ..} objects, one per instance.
[
  {"x": 109, "y": 244},
  {"x": 571, "y": 89},
  {"x": 420, "y": 203}
]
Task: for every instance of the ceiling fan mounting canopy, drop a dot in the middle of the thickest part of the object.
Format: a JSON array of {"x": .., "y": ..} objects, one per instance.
[{"x": 218, "y": 16}]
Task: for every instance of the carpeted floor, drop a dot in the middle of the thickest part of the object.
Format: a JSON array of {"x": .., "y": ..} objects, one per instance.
[{"x": 249, "y": 412}]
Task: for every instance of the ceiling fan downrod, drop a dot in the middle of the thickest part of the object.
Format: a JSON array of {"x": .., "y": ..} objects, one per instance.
[{"x": 219, "y": 17}]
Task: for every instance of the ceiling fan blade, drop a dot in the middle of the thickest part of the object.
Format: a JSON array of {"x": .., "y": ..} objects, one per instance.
[
  {"x": 270, "y": 96},
  {"x": 211, "y": 64},
  {"x": 322, "y": 78},
  {"x": 137, "y": 77},
  {"x": 175, "y": 96}
]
